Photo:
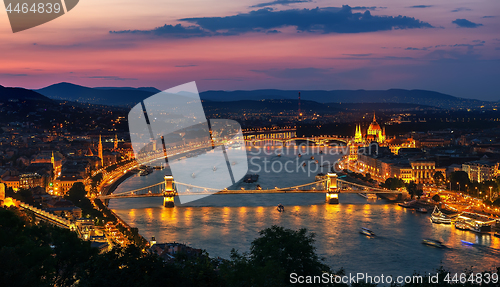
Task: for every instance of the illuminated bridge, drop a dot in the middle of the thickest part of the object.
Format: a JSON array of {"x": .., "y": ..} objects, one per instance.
[
  {"x": 285, "y": 139},
  {"x": 331, "y": 186}
]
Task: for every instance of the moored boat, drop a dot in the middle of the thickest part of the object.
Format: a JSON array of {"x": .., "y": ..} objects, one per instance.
[
  {"x": 461, "y": 225},
  {"x": 438, "y": 217},
  {"x": 407, "y": 204}
]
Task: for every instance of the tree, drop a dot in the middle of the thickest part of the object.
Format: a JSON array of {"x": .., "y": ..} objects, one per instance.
[
  {"x": 273, "y": 256},
  {"x": 368, "y": 176},
  {"x": 77, "y": 195},
  {"x": 412, "y": 188},
  {"x": 38, "y": 255},
  {"x": 438, "y": 178},
  {"x": 393, "y": 183},
  {"x": 460, "y": 177},
  {"x": 436, "y": 198}
]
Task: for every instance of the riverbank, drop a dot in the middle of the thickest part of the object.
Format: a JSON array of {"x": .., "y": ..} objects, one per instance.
[{"x": 109, "y": 189}]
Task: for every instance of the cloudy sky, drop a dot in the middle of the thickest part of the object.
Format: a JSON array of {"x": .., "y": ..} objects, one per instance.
[{"x": 449, "y": 46}]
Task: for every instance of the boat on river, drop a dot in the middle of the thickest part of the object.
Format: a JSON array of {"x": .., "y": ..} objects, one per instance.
[
  {"x": 407, "y": 204},
  {"x": 145, "y": 171},
  {"x": 433, "y": 243},
  {"x": 280, "y": 208},
  {"x": 367, "y": 232},
  {"x": 439, "y": 217},
  {"x": 461, "y": 225},
  {"x": 250, "y": 178}
]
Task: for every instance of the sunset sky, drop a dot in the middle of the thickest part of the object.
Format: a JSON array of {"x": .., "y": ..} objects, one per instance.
[{"x": 449, "y": 46}]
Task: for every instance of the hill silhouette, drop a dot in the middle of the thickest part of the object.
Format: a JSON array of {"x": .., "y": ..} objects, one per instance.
[
  {"x": 17, "y": 94},
  {"x": 103, "y": 96},
  {"x": 120, "y": 96}
]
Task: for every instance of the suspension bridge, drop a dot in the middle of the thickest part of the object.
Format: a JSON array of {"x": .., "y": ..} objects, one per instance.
[{"x": 331, "y": 186}]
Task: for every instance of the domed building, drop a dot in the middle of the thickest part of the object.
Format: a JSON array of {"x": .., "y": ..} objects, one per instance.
[
  {"x": 373, "y": 134},
  {"x": 374, "y": 128}
]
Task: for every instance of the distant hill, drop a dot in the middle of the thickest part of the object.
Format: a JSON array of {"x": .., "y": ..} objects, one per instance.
[
  {"x": 214, "y": 109},
  {"x": 419, "y": 97},
  {"x": 131, "y": 96},
  {"x": 16, "y": 94},
  {"x": 146, "y": 89},
  {"x": 102, "y": 96}
]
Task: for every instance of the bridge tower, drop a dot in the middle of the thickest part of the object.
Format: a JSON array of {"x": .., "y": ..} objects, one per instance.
[
  {"x": 332, "y": 192},
  {"x": 169, "y": 192}
]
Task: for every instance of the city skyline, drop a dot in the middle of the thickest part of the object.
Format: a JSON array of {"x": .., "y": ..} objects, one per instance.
[{"x": 447, "y": 47}]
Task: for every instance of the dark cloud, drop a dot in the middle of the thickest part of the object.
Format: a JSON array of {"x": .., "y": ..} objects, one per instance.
[
  {"x": 113, "y": 78},
  {"x": 169, "y": 31},
  {"x": 186, "y": 66},
  {"x": 461, "y": 9},
  {"x": 295, "y": 73},
  {"x": 273, "y": 32},
  {"x": 497, "y": 48},
  {"x": 318, "y": 20},
  {"x": 489, "y": 17},
  {"x": 12, "y": 75},
  {"x": 418, "y": 49},
  {"x": 358, "y": 55},
  {"x": 224, "y": 79},
  {"x": 396, "y": 58},
  {"x": 466, "y": 23},
  {"x": 421, "y": 6},
  {"x": 470, "y": 46},
  {"x": 279, "y": 2},
  {"x": 365, "y": 57},
  {"x": 364, "y": 8}
]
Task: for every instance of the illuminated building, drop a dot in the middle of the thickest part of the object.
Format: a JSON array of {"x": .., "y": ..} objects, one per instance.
[
  {"x": 11, "y": 181},
  {"x": 395, "y": 144},
  {"x": 54, "y": 158},
  {"x": 115, "y": 142},
  {"x": 100, "y": 151},
  {"x": 481, "y": 170},
  {"x": 374, "y": 133},
  {"x": 31, "y": 180},
  {"x": 2, "y": 193}
]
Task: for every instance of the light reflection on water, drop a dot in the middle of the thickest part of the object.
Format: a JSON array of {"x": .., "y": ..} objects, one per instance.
[
  {"x": 396, "y": 250},
  {"x": 219, "y": 223}
]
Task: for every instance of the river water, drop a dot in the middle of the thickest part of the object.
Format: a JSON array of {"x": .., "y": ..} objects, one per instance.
[{"x": 219, "y": 223}]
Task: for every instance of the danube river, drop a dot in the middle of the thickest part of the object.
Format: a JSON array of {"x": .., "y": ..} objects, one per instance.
[{"x": 219, "y": 223}]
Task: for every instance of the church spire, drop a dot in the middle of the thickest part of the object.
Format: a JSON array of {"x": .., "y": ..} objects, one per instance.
[
  {"x": 100, "y": 151},
  {"x": 116, "y": 142},
  {"x": 358, "y": 137},
  {"x": 53, "y": 160},
  {"x": 374, "y": 120}
]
